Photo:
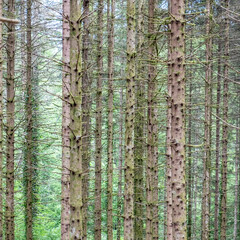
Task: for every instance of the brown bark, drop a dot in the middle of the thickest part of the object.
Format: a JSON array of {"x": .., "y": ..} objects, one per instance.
[
  {"x": 9, "y": 210},
  {"x": 152, "y": 159},
  {"x": 110, "y": 22},
  {"x": 139, "y": 144},
  {"x": 98, "y": 132},
  {"x": 225, "y": 126},
  {"x": 65, "y": 217},
  {"x": 76, "y": 169},
  {"x": 29, "y": 137},
  {"x": 177, "y": 79},
  {"x": 86, "y": 105},
  {"x": 207, "y": 128},
  {"x": 129, "y": 124}
]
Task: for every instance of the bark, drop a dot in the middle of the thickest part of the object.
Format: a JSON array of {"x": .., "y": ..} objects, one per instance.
[
  {"x": 129, "y": 124},
  {"x": 139, "y": 130},
  {"x": 225, "y": 126},
  {"x": 1, "y": 126},
  {"x": 65, "y": 216},
  {"x": 177, "y": 79},
  {"x": 119, "y": 203},
  {"x": 216, "y": 210},
  {"x": 29, "y": 136},
  {"x": 9, "y": 209},
  {"x": 86, "y": 108},
  {"x": 110, "y": 23},
  {"x": 152, "y": 159},
  {"x": 76, "y": 169},
  {"x": 207, "y": 128},
  {"x": 98, "y": 133}
]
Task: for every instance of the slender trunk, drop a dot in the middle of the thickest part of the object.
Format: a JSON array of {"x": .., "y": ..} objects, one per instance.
[
  {"x": 152, "y": 159},
  {"x": 76, "y": 170},
  {"x": 216, "y": 210},
  {"x": 225, "y": 126},
  {"x": 29, "y": 137},
  {"x": 119, "y": 203},
  {"x": 1, "y": 125},
  {"x": 129, "y": 124},
  {"x": 9, "y": 212},
  {"x": 236, "y": 183},
  {"x": 139, "y": 131},
  {"x": 86, "y": 106},
  {"x": 177, "y": 79},
  {"x": 207, "y": 161},
  {"x": 110, "y": 23},
  {"x": 65, "y": 217},
  {"x": 98, "y": 134}
]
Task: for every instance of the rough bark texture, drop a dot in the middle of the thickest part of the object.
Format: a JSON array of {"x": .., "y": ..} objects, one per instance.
[
  {"x": 177, "y": 79},
  {"x": 65, "y": 216},
  {"x": 1, "y": 128},
  {"x": 76, "y": 170},
  {"x": 225, "y": 126},
  {"x": 9, "y": 210},
  {"x": 152, "y": 158},
  {"x": 119, "y": 202},
  {"x": 129, "y": 124},
  {"x": 207, "y": 128},
  {"x": 110, "y": 23},
  {"x": 98, "y": 132},
  {"x": 86, "y": 105},
  {"x": 139, "y": 130},
  {"x": 29, "y": 136}
]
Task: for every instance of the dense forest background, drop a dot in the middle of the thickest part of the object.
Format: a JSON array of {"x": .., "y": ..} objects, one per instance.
[{"x": 212, "y": 105}]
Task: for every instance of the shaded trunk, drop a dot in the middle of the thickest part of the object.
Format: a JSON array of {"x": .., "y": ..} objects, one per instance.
[
  {"x": 129, "y": 124},
  {"x": 98, "y": 132},
  {"x": 76, "y": 170},
  {"x": 65, "y": 217},
  {"x": 9, "y": 210},
  {"x": 110, "y": 23},
  {"x": 177, "y": 80},
  {"x": 225, "y": 126}
]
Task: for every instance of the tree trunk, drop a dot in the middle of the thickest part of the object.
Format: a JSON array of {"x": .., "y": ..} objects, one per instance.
[
  {"x": 98, "y": 133},
  {"x": 29, "y": 136},
  {"x": 9, "y": 212},
  {"x": 152, "y": 159},
  {"x": 207, "y": 127},
  {"x": 225, "y": 126},
  {"x": 129, "y": 124},
  {"x": 86, "y": 108},
  {"x": 76, "y": 170},
  {"x": 65, "y": 217},
  {"x": 110, "y": 23},
  {"x": 177, "y": 79},
  {"x": 139, "y": 130}
]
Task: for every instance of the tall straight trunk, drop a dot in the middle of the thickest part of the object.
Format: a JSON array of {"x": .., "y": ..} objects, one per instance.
[
  {"x": 65, "y": 216},
  {"x": 237, "y": 161},
  {"x": 76, "y": 170},
  {"x": 177, "y": 79},
  {"x": 119, "y": 201},
  {"x": 207, "y": 128},
  {"x": 98, "y": 132},
  {"x": 216, "y": 210},
  {"x": 152, "y": 158},
  {"x": 129, "y": 124},
  {"x": 1, "y": 126},
  {"x": 110, "y": 23},
  {"x": 9, "y": 210},
  {"x": 225, "y": 126},
  {"x": 29, "y": 136},
  {"x": 86, "y": 108},
  {"x": 139, "y": 130}
]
